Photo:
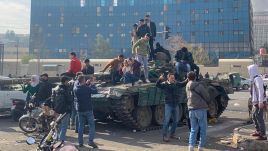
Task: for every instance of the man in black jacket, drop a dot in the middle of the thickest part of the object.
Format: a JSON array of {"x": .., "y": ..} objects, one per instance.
[
  {"x": 87, "y": 68},
  {"x": 44, "y": 93},
  {"x": 83, "y": 93},
  {"x": 62, "y": 101},
  {"x": 159, "y": 48},
  {"x": 152, "y": 32},
  {"x": 143, "y": 29},
  {"x": 171, "y": 90}
]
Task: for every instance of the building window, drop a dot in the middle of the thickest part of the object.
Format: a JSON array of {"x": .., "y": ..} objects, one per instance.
[
  {"x": 220, "y": 10},
  {"x": 178, "y": 23},
  {"x": 123, "y": 35},
  {"x": 61, "y": 25},
  {"x": 161, "y": 24},
  {"x": 193, "y": 22},
  {"x": 221, "y": 33},
  {"x": 111, "y": 9},
  {"x": 206, "y": 22},
  {"x": 220, "y": 21},
  {"x": 236, "y": 21},
  {"x": 193, "y": 11},
  {"x": 206, "y": 11},
  {"x": 49, "y": 34},
  {"x": 49, "y": 14},
  {"x": 115, "y": 3},
  {"x": 136, "y": 14},
  {"x": 131, "y": 2},
  {"x": 123, "y": 24},
  {"x": 235, "y": 9},
  {"x": 111, "y": 35},
  {"x": 193, "y": 34},
  {"x": 49, "y": 25},
  {"x": 124, "y": 14},
  {"x": 206, "y": 33},
  {"x": 85, "y": 35},
  {"x": 235, "y": 32},
  {"x": 98, "y": 11},
  {"x": 178, "y": 12},
  {"x": 82, "y": 3},
  {"x": 103, "y": 2},
  {"x": 98, "y": 25},
  {"x": 111, "y": 25}
]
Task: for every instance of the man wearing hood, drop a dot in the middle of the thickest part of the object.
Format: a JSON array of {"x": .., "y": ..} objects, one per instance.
[
  {"x": 258, "y": 99},
  {"x": 31, "y": 88},
  {"x": 198, "y": 100}
]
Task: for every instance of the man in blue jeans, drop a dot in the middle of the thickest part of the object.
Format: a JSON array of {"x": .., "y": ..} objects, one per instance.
[
  {"x": 83, "y": 93},
  {"x": 171, "y": 88},
  {"x": 198, "y": 100},
  {"x": 62, "y": 102}
]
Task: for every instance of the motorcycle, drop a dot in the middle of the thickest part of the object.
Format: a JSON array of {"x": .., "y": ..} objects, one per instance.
[
  {"x": 36, "y": 119},
  {"x": 49, "y": 141}
]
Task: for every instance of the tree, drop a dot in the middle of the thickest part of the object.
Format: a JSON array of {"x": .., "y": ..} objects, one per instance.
[
  {"x": 200, "y": 55},
  {"x": 102, "y": 47}
]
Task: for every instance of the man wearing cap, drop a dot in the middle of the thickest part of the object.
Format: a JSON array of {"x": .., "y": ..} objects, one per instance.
[{"x": 141, "y": 50}]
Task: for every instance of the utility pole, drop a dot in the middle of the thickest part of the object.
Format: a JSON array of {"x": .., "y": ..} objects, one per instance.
[
  {"x": 17, "y": 61},
  {"x": 1, "y": 58}
]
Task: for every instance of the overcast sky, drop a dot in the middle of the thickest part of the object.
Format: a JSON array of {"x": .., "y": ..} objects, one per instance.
[{"x": 15, "y": 14}]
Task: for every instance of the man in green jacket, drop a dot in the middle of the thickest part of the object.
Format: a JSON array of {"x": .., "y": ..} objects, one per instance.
[{"x": 141, "y": 50}]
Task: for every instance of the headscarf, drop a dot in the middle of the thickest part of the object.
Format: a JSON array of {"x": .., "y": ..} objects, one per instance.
[{"x": 36, "y": 80}]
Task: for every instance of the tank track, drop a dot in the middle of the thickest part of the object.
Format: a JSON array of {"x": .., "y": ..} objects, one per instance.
[{"x": 127, "y": 118}]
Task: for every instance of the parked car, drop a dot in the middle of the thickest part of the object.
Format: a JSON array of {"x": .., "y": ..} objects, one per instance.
[
  {"x": 245, "y": 83},
  {"x": 9, "y": 96}
]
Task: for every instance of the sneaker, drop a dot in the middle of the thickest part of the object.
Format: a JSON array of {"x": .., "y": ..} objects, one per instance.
[
  {"x": 255, "y": 134},
  {"x": 92, "y": 144},
  {"x": 140, "y": 81},
  {"x": 191, "y": 148},
  {"x": 147, "y": 81},
  {"x": 81, "y": 145},
  {"x": 173, "y": 136},
  {"x": 200, "y": 149},
  {"x": 165, "y": 139},
  {"x": 261, "y": 138}
]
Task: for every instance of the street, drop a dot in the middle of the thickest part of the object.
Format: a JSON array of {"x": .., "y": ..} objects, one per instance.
[{"x": 113, "y": 136}]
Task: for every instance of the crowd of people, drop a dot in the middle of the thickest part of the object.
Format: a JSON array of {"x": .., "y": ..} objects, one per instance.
[{"x": 73, "y": 94}]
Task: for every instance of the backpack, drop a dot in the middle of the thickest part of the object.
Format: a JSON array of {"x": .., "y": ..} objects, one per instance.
[{"x": 58, "y": 100}]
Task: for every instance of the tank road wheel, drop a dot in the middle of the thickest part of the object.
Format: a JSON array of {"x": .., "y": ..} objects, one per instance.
[
  {"x": 143, "y": 115},
  {"x": 159, "y": 114},
  {"x": 128, "y": 103},
  {"x": 180, "y": 112}
]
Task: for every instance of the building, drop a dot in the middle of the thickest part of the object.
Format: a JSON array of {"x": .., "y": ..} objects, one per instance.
[
  {"x": 260, "y": 21},
  {"x": 221, "y": 27}
]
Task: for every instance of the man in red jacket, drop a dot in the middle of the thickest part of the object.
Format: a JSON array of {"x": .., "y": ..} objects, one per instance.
[{"x": 75, "y": 66}]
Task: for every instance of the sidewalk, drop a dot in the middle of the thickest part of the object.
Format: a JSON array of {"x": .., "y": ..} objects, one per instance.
[{"x": 243, "y": 140}]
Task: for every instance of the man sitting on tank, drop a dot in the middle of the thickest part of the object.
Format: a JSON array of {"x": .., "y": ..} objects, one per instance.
[
  {"x": 115, "y": 66},
  {"x": 131, "y": 71},
  {"x": 160, "y": 50},
  {"x": 170, "y": 88},
  {"x": 183, "y": 57}
]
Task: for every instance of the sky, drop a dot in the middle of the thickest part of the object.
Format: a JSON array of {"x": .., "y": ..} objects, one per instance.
[{"x": 15, "y": 14}]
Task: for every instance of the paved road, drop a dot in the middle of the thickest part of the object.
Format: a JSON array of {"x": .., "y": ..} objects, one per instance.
[{"x": 114, "y": 137}]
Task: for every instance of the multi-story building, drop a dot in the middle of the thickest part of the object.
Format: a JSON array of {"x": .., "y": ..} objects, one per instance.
[
  {"x": 221, "y": 27},
  {"x": 260, "y": 21}
]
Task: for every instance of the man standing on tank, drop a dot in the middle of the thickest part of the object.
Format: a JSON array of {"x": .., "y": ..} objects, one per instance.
[
  {"x": 171, "y": 88},
  {"x": 152, "y": 28}
]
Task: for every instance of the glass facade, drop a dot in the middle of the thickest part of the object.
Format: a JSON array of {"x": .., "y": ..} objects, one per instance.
[
  {"x": 222, "y": 27},
  {"x": 260, "y": 20}
]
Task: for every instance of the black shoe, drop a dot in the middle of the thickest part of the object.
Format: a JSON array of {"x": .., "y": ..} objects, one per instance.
[
  {"x": 92, "y": 144},
  {"x": 81, "y": 145}
]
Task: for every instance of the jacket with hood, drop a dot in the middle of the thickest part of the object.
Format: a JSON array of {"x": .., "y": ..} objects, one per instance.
[
  {"x": 197, "y": 95},
  {"x": 257, "y": 88}
]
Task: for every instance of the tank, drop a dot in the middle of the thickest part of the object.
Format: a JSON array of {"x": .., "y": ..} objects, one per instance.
[{"x": 141, "y": 106}]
